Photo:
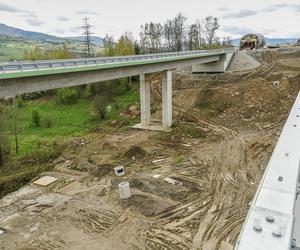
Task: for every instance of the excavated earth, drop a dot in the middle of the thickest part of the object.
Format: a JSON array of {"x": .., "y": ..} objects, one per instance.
[{"x": 226, "y": 127}]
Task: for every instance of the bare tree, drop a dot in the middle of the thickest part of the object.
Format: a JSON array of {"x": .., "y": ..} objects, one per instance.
[
  {"x": 173, "y": 34},
  {"x": 144, "y": 38},
  {"x": 179, "y": 31},
  {"x": 151, "y": 36},
  {"x": 168, "y": 34},
  {"x": 195, "y": 39},
  {"x": 16, "y": 103},
  {"x": 4, "y": 143},
  {"x": 227, "y": 41},
  {"x": 211, "y": 25}
]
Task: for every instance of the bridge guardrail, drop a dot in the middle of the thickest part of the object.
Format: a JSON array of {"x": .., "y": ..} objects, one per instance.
[
  {"x": 270, "y": 221},
  {"x": 9, "y": 67}
]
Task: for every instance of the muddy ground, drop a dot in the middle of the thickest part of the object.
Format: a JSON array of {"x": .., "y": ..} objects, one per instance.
[{"x": 226, "y": 127}]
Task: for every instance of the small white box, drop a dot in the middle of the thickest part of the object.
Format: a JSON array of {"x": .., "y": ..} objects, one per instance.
[
  {"x": 124, "y": 190},
  {"x": 119, "y": 171}
]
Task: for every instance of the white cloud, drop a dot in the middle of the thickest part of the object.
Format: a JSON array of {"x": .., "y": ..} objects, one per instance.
[
  {"x": 87, "y": 12},
  {"x": 240, "y": 14},
  {"x": 9, "y": 8},
  {"x": 59, "y": 31},
  {"x": 223, "y": 9},
  {"x": 274, "y": 7},
  {"x": 34, "y": 22},
  {"x": 237, "y": 31},
  {"x": 75, "y": 30},
  {"x": 63, "y": 18}
]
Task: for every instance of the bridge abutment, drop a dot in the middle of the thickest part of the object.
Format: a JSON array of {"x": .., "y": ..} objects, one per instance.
[{"x": 219, "y": 66}]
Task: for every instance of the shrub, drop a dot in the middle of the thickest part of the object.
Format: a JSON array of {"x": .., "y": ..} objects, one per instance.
[
  {"x": 4, "y": 149},
  {"x": 116, "y": 107},
  {"x": 48, "y": 121},
  {"x": 36, "y": 118},
  {"x": 20, "y": 102},
  {"x": 135, "y": 152},
  {"x": 205, "y": 98},
  {"x": 68, "y": 95},
  {"x": 100, "y": 107}
]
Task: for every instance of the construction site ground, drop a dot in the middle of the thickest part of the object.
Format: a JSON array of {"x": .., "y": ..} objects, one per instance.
[{"x": 191, "y": 188}]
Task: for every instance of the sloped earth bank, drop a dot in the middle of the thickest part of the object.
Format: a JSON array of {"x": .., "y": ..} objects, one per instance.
[{"x": 226, "y": 128}]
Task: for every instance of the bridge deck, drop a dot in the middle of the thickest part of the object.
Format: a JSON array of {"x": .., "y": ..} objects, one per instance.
[{"x": 48, "y": 67}]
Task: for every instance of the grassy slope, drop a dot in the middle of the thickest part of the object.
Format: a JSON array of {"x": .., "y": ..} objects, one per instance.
[
  {"x": 68, "y": 121},
  {"x": 13, "y": 48}
]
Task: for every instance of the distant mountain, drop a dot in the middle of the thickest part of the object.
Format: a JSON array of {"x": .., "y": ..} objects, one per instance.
[
  {"x": 270, "y": 41},
  {"x": 30, "y": 35},
  {"x": 275, "y": 41},
  {"x": 95, "y": 39},
  {"x": 12, "y": 31}
]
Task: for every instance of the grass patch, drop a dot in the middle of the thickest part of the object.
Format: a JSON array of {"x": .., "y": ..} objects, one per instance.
[
  {"x": 39, "y": 145},
  {"x": 179, "y": 159},
  {"x": 67, "y": 121}
]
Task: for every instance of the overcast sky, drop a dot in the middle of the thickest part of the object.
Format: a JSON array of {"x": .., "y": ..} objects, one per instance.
[{"x": 273, "y": 18}]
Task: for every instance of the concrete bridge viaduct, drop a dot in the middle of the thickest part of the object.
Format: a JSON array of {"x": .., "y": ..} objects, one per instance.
[
  {"x": 27, "y": 77},
  {"x": 273, "y": 221}
]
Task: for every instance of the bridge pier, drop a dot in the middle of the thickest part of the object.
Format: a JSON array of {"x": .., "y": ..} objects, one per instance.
[
  {"x": 145, "y": 92},
  {"x": 167, "y": 99},
  {"x": 145, "y": 101}
]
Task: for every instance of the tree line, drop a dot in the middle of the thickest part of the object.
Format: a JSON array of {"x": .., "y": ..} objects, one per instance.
[{"x": 174, "y": 35}]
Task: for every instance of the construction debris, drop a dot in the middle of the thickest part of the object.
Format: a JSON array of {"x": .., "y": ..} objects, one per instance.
[
  {"x": 119, "y": 171},
  {"x": 172, "y": 181},
  {"x": 45, "y": 181},
  {"x": 158, "y": 161}
]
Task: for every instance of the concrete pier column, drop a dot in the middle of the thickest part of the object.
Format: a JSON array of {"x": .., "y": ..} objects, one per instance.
[
  {"x": 167, "y": 99},
  {"x": 145, "y": 101}
]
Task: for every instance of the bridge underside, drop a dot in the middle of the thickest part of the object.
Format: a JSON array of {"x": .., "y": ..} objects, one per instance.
[
  {"x": 48, "y": 80},
  {"x": 17, "y": 86}
]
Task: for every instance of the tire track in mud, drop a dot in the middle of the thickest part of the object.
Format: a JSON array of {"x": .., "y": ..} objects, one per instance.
[
  {"x": 235, "y": 166},
  {"x": 158, "y": 239},
  {"x": 232, "y": 186},
  {"x": 47, "y": 244},
  {"x": 195, "y": 116},
  {"x": 261, "y": 71},
  {"x": 93, "y": 221}
]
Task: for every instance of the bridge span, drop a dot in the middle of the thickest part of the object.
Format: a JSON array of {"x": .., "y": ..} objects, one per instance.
[{"x": 18, "y": 78}]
